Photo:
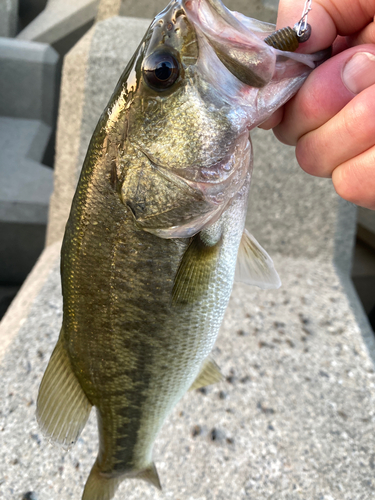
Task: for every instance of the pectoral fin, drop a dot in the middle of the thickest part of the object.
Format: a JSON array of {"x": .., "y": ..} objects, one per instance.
[
  {"x": 62, "y": 406},
  {"x": 254, "y": 265},
  {"x": 209, "y": 374},
  {"x": 196, "y": 270}
]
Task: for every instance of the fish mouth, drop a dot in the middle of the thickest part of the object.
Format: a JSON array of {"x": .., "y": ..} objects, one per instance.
[{"x": 238, "y": 42}]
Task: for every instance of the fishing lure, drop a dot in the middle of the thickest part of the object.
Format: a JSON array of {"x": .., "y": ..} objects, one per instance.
[{"x": 289, "y": 38}]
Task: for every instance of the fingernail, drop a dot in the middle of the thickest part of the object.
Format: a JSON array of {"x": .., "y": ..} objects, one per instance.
[{"x": 359, "y": 72}]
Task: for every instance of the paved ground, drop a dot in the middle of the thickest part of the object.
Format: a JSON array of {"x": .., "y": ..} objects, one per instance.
[{"x": 293, "y": 420}]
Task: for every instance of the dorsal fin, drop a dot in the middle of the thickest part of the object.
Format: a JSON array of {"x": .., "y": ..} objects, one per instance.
[
  {"x": 195, "y": 272},
  {"x": 62, "y": 406},
  {"x": 254, "y": 265},
  {"x": 209, "y": 374}
]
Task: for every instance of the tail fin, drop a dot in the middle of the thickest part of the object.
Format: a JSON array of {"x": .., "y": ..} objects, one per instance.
[{"x": 99, "y": 487}]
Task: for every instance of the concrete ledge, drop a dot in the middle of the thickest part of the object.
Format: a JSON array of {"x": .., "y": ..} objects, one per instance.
[
  {"x": 25, "y": 188},
  {"x": 59, "y": 19},
  {"x": 294, "y": 419},
  {"x": 27, "y": 84},
  {"x": 26, "y": 184},
  {"x": 296, "y": 214},
  {"x": 144, "y": 8},
  {"x": 28, "y": 105},
  {"x": 19, "y": 310},
  {"x": 8, "y": 17}
]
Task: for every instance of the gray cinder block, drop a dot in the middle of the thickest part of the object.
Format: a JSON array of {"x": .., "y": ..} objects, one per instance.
[
  {"x": 27, "y": 83},
  {"x": 26, "y": 184},
  {"x": 8, "y": 17},
  {"x": 61, "y": 23},
  {"x": 27, "y": 114},
  {"x": 25, "y": 188},
  {"x": 145, "y": 8}
]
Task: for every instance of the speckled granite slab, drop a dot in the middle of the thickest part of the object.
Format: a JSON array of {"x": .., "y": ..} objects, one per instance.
[{"x": 293, "y": 420}]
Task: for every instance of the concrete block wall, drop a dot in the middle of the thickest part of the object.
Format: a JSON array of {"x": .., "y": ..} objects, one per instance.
[
  {"x": 61, "y": 24},
  {"x": 28, "y": 105},
  {"x": 27, "y": 85},
  {"x": 8, "y": 17}
]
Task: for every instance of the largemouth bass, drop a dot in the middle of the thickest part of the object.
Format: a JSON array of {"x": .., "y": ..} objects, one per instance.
[{"x": 150, "y": 248}]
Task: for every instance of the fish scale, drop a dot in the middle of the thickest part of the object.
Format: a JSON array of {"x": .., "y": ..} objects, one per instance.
[{"x": 124, "y": 327}]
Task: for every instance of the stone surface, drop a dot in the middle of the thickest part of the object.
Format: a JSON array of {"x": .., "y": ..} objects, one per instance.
[
  {"x": 108, "y": 8},
  {"x": 8, "y": 17},
  {"x": 28, "y": 80},
  {"x": 293, "y": 213},
  {"x": 146, "y": 8},
  {"x": 26, "y": 184},
  {"x": 271, "y": 4},
  {"x": 59, "y": 19},
  {"x": 25, "y": 188},
  {"x": 293, "y": 420},
  {"x": 28, "y": 104}
]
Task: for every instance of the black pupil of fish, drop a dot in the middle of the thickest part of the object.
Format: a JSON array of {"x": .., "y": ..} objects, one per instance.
[
  {"x": 160, "y": 70},
  {"x": 163, "y": 70}
]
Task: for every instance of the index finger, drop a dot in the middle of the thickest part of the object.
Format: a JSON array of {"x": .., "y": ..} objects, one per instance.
[{"x": 328, "y": 18}]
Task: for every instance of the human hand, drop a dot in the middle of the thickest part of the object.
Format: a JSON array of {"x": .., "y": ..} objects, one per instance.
[{"x": 331, "y": 120}]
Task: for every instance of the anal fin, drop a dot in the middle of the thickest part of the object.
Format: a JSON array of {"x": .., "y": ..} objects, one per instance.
[
  {"x": 62, "y": 406},
  {"x": 209, "y": 374}
]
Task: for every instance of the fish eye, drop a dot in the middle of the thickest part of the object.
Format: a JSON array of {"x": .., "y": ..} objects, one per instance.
[{"x": 161, "y": 70}]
